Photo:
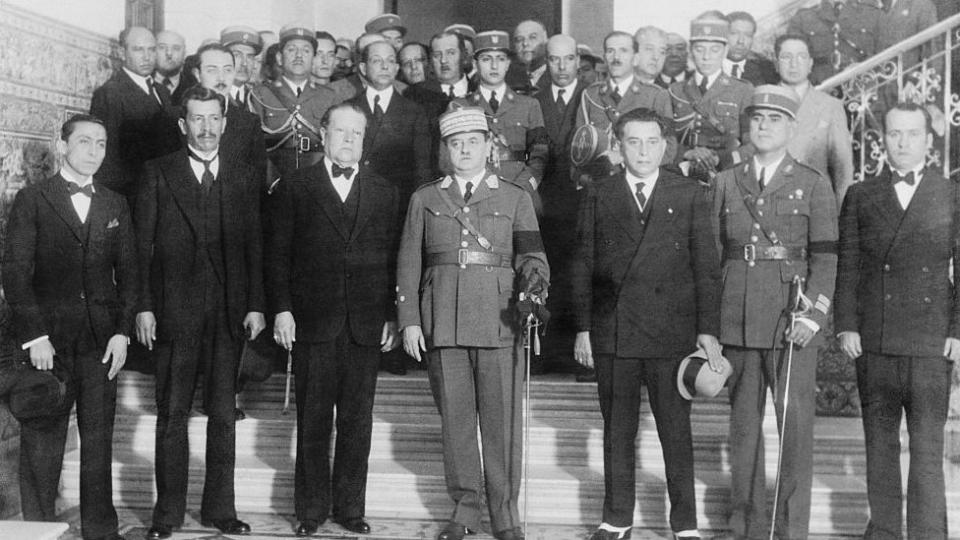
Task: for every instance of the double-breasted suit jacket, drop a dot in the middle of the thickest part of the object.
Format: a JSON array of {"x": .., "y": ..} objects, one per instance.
[
  {"x": 893, "y": 283},
  {"x": 797, "y": 209},
  {"x": 644, "y": 287}
]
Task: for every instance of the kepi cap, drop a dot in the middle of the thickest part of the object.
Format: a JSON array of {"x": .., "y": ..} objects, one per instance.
[
  {"x": 774, "y": 97},
  {"x": 491, "y": 40},
  {"x": 296, "y": 31},
  {"x": 463, "y": 120},
  {"x": 695, "y": 378},
  {"x": 242, "y": 35},
  {"x": 709, "y": 30},
  {"x": 387, "y": 21},
  {"x": 464, "y": 30}
]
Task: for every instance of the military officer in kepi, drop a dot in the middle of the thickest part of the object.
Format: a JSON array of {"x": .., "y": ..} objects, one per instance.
[
  {"x": 777, "y": 223},
  {"x": 841, "y": 33},
  {"x": 708, "y": 108},
  {"x": 519, "y": 139},
  {"x": 290, "y": 108},
  {"x": 471, "y": 259}
]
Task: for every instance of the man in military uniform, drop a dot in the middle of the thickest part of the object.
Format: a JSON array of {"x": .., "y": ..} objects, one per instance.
[
  {"x": 389, "y": 26},
  {"x": 675, "y": 63},
  {"x": 245, "y": 43},
  {"x": 708, "y": 108},
  {"x": 519, "y": 138},
  {"x": 290, "y": 108},
  {"x": 842, "y": 32},
  {"x": 604, "y": 102},
  {"x": 777, "y": 223},
  {"x": 470, "y": 241}
]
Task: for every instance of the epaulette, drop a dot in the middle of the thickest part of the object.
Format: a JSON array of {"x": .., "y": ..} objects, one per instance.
[
  {"x": 875, "y": 4},
  {"x": 430, "y": 183},
  {"x": 511, "y": 183}
]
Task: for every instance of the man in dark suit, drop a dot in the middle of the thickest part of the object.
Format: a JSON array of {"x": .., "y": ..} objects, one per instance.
[
  {"x": 332, "y": 244},
  {"x": 396, "y": 144},
  {"x": 559, "y": 103},
  {"x": 242, "y": 139},
  {"x": 70, "y": 276},
  {"x": 741, "y": 62},
  {"x": 136, "y": 112},
  {"x": 898, "y": 314},
  {"x": 171, "y": 72},
  {"x": 646, "y": 285},
  {"x": 199, "y": 243}
]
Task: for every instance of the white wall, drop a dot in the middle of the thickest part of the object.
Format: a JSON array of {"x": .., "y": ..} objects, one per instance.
[
  {"x": 200, "y": 20},
  {"x": 105, "y": 17}
]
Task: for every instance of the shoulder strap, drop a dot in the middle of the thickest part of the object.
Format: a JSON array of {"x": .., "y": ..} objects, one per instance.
[
  {"x": 467, "y": 224},
  {"x": 751, "y": 203}
]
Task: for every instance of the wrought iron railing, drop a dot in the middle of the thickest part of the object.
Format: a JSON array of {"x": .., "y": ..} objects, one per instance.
[{"x": 922, "y": 69}]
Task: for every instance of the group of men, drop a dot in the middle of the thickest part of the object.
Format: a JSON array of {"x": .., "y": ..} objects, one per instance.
[{"x": 681, "y": 211}]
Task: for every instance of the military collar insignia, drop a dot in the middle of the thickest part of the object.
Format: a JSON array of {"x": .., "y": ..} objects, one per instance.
[{"x": 492, "y": 181}]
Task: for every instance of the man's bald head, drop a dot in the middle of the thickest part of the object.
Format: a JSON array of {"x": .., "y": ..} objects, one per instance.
[
  {"x": 562, "y": 59},
  {"x": 139, "y": 50},
  {"x": 677, "y": 55},
  {"x": 367, "y": 39},
  {"x": 171, "y": 50},
  {"x": 652, "y": 52},
  {"x": 529, "y": 41}
]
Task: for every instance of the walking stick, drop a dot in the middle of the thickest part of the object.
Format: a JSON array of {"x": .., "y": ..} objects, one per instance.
[
  {"x": 795, "y": 307},
  {"x": 528, "y": 337},
  {"x": 286, "y": 393}
]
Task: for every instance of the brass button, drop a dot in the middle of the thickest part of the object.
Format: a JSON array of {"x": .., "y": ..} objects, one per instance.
[
  {"x": 466, "y": 209},
  {"x": 886, "y": 268},
  {"x": 887, "y": 297},
  {"x": 464, "y": 244},
  {"x": 466, "y": 232}
]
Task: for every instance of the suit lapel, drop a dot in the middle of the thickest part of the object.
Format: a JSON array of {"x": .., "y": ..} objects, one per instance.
[
  {"x": 322, "y": 190},
  {"x": 55, "y": 193},
  {"x": 97, "y": 216},
  {"x": 932, "y": 190},
  {"x": 183, "y": 187},
  {"x": 885, "y": 198},
  {"x": 618, "y": 198},
  {"x": 366, "y": 201}
]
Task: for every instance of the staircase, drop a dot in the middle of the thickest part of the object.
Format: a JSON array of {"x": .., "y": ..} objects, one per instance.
[{"x": 406, "y": 464}]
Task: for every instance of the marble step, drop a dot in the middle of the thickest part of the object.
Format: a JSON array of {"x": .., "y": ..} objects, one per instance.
[{"x": 414, "y": 489}]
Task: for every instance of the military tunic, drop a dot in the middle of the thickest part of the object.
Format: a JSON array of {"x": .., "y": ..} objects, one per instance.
[
  {"x": 598, "y": 108},
  {"x": 716, "y": 120},
  {"x": 521, "y": 144},
  {"x": 839, "y": 36},
  {"x": 796, "y": 212},
  {"x": 291, "y": 124}
]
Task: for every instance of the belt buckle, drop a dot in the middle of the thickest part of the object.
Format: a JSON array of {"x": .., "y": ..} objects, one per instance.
[
  {"x": 750, "y": 252},
  {"x": 304, "y": 143},
  {"x": 461, "y": 256}
]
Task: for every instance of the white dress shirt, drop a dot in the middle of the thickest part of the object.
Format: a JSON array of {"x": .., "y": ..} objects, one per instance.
[
  {"x": 141, "y": 81},
  {"x": 500, "y": 90},
  {"x": 384, "y": 94},
  {"x": 698, "y": 78},
  {"x": 648, "y": 184},
  {"x": 904, "y": 190},
  {"x": 341, "y": 184},
  {"x": 567, "y": 91},
  {"x": 768, "y": 170},
  {"x": 297, "y": 88},
  {"x": 198, "y": 166},
  {"x": 462, "y": 182},
  {"x": 460, "y": 88},
  {"x": 622, "y": 86},
  {"x": 728, "y": 67}
]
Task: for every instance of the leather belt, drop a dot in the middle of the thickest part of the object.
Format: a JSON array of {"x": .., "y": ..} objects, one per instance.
[
  {"x": 463, "y": 257},
  {"x": 303, "y": 144},
  {"x": 512, "y": 155},
  {"x": 753, "y": 252},
  {"x": 708, "y": 141}
]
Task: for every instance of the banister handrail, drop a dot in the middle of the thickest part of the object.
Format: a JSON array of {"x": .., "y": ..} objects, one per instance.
[{"x": 890, "y": 52}]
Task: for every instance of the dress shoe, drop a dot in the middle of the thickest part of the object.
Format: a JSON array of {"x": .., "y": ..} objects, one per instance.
[
  {"x": 588, "y": 375},
  {"x": 453, "y": 531},
  {"x": 159, "y": 532},
  {"x": 355, "y": 524},
  {"x": 228, "y": 525},
  {"x": 510, "y": 534},
  {"x": 610, "y": 535},
  {"x": 307, "y": 527}
]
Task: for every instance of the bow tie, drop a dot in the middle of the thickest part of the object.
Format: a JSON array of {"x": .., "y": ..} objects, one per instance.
[
  {"x": 73, "y": 188},
  {"x": 345, "y": 172},
  {"x": 909, "y": 179}
]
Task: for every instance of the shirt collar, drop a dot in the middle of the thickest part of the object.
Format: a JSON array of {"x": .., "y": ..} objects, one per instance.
[
  {"x": 293, "y": 86},
  {"x": 728, "y": 65},
  {"x": 69, "y": 176},
  {"x": 174, "y": 79},
  {"x": 328, "y": 163},
  {"x": 384, "y": 94},
  {"x": 209, "y": 156},
  {"x": 768, "y": 169},
  {"x": 712, "y": 78},
  {"x": 140, "y": 80},
  {"x": 917, "y": 171},
  {"x": 648, "y": 182},
  {"x": 623, "y": 86},
  {"x": 568, "y": 90},
  {"x": 500, "y": 90}
]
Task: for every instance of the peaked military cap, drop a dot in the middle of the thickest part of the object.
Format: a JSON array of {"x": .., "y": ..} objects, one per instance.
[
  {"x": 241, "y": 35},
  {"x": 387, "y": 21},
  {"x": 463, "y": 120},
  {"x": 491, "y": 40},
  {"x": 464, "y": 30},
  {"x": 296, "y": 31},
  {"x": 709, "y": 30},
  {"x": 774, "y": 97}
]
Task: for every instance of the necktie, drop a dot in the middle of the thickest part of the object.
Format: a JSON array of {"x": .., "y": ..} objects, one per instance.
[
  {"x": 561, "y": 103},
  {"x": 345, "y": 172},
  {"x": 736, "y": 71},
  {"x": 641, "y": 198},
  {"x": 494, "y": 104},
  {"x": 450, "y": 92},
  {"x": 616, "y": 95},
  {"x": 153, "y": 91},
  {"x": 703, "y": 86},
  {"x": 467, "y": 193},
  {"x": 73, "y": 188},
  {"x": 763, "y": 176},
  {"x": 908, "y": 179},
  {"x": 377, "y": 109},
  {"x": 206, "y": 179},
  {"x": 241, "y": 96},
  {"x": 299, "y": 91},
  {"x": 168, "y": 83}
]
